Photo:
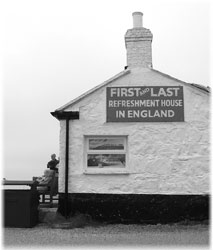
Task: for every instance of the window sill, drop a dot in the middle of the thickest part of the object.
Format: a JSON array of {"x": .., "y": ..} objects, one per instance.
[{"x": 102, "y": 171}]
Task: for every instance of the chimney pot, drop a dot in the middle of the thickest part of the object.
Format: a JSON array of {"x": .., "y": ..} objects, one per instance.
[{"x": 137, "y": 19}]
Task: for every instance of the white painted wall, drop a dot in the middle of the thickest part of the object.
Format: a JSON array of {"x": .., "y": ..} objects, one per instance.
[{"x": 163, "y": 158}]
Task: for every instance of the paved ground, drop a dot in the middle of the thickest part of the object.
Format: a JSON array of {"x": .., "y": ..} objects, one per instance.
[{"x": 109, "y": 235}]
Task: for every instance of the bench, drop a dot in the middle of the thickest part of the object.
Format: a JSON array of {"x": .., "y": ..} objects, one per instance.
[{"x": 51, "y": 191}]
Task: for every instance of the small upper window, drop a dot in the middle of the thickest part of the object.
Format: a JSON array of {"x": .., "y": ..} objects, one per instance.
[{"x": 106, "y": 152}]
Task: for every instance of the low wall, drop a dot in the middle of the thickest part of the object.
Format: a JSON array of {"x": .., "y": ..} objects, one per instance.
[{"x": 137, "y": 208}]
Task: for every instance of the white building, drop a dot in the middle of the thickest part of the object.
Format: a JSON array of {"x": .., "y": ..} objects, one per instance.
[{"x": 141, "y": 133}]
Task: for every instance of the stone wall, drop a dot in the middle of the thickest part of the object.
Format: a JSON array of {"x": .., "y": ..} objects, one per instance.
[{"x": 163, "y": 158}]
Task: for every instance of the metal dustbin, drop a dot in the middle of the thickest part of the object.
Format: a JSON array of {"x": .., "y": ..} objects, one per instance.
[{"x": 20, "y": 205}]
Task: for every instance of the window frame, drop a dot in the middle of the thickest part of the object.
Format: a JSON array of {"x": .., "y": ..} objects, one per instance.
[{"x": 105, "y": 170}]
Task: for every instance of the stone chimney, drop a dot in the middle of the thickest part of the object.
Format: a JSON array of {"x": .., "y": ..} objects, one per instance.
[{"x": 138, "y": 41}]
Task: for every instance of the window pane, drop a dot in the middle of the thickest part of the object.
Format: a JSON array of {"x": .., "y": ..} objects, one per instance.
[
  {"x": 106, "y": 160},
  {"x": 106, "y": 144}
]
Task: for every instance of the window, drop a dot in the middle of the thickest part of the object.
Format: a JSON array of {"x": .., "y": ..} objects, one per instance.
[{"x": 106, "y": 152}]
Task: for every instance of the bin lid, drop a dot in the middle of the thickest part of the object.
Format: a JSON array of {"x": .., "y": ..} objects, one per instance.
[{"x": 19, "y": 182}]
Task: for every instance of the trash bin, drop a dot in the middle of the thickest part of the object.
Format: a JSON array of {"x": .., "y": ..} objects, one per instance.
[{"x": 21, "y": 206}]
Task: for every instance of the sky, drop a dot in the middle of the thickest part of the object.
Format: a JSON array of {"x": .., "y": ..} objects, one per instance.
[{"x": 54, "y": 51}]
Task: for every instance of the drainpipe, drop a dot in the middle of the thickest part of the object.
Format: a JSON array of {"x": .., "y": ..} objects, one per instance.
[
  {"x": 66, "y": 115},
  {"x": 66, "y": 168}
]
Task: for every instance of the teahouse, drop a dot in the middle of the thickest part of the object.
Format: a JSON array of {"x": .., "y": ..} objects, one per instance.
[{"x": 136, "y": 146}]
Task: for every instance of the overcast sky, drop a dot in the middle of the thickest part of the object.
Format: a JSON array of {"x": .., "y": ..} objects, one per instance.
[{"x": 53, "y": 51}]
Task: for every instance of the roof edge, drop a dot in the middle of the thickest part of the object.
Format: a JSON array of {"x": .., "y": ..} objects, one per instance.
[
  {"x": 122, "y": 73},
  {"x": 193, "y": 85}
]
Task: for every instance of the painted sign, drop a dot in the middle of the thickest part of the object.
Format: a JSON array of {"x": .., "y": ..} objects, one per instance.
[{"x": 145, "y": 104}]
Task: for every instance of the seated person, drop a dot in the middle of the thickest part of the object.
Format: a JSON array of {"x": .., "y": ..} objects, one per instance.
[{"x": 45, "y": 180}]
